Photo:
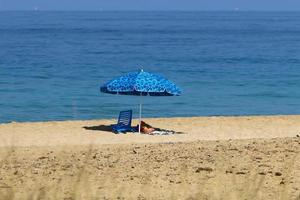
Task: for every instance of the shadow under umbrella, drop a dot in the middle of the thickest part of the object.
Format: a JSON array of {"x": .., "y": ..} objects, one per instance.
[{"x": 107, "y": 128}]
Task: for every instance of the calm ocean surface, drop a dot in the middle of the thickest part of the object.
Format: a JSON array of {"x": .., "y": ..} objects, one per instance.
[{"x": 227, "y": 63}]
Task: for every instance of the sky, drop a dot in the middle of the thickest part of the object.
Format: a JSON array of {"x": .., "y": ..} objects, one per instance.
[{"x": 259, "y": 5}]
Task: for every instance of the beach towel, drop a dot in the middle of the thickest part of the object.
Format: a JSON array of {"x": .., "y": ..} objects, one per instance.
[{"x": 162, "y": 132}]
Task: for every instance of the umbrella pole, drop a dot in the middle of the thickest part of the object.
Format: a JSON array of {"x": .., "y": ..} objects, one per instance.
[{"x": 140, "y": 118}]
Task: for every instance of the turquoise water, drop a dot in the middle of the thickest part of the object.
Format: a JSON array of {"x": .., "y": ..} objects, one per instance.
[{"x": 227, "y": 63}]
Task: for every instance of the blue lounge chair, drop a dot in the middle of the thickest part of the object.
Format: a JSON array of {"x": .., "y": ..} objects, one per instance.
[{"x": 124, "y": 122}]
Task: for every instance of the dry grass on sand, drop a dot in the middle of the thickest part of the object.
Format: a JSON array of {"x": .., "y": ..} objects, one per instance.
[{"x": 231, "y": 169}]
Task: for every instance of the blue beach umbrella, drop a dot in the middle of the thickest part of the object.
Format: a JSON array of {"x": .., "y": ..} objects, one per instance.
[{"x": 141, "y": 84}]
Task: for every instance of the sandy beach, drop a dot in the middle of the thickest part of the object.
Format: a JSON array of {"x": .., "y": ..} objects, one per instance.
[
  {"x": 212, "y": 158},
  {"x": 192, "y": 128}
]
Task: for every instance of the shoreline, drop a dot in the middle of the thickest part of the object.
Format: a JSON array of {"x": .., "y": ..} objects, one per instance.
[{"x": 114, "y": 119}]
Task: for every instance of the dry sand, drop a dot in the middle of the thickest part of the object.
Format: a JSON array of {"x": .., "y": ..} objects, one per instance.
[
  {"x": 196, "y": 128},
  {"x": 216, "y": 158}
]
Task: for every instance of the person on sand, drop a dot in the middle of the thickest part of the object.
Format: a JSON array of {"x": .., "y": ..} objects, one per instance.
[{"x": 146, "y": 128}]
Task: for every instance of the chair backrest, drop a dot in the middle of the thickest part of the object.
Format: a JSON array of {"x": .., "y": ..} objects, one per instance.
[{"x": 125, "y": 118}]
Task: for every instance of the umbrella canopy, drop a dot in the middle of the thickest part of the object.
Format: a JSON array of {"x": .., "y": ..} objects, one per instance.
[{"x": 141, "y": 84}]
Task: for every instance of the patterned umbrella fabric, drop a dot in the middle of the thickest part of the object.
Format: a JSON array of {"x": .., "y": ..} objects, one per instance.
[{"x": 141, "y": 83}]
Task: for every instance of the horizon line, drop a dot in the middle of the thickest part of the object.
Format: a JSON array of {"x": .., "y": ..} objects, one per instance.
[{"x": 135, "y": 10}]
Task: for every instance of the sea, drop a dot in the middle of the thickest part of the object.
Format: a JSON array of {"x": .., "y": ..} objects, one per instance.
[{"x": 52, "y": 64}]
